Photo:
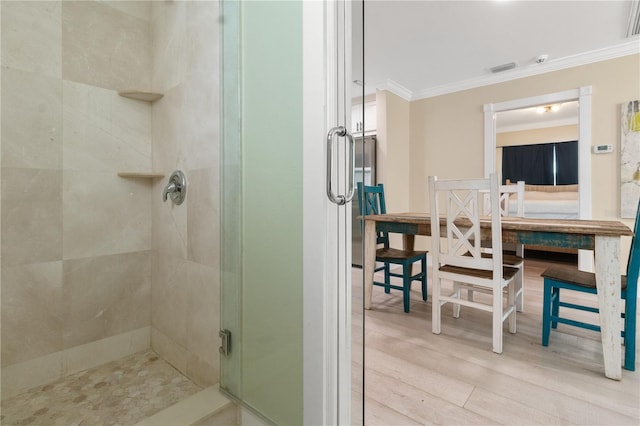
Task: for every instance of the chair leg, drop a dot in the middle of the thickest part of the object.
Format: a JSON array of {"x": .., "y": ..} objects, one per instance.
[
  {"x": 546, "y": 313},
  {"x": 497, "y": 320},
  {"x": 424, "y": 278},
  {"x": 457, "y": 291},
  {"x": 519, "y": 283},
  {"x": 436, "y": 309},
  {"x": 387, "y": 278},
  {"x": 511, "y": 300},
  {"x": 630, "y": 334},
  {"x": 406, "y": 286},
  {"x": 555, "y": 306}
]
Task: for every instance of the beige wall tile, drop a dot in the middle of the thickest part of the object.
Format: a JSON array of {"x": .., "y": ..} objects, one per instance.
[
  {"x": 139, "y": 9},
  {"x": 31, "y": 311},
  {"x": 200, "y": 128},
  {"x": 105, "y": 214},
  {"x": 204, "y": 372},
  {"x": 170, "y": 44},
  {"x": 202, "y": 290},
  {"x": 169, "y": 297},
  {"x": 169, "y": 131},
  {"x": 203, "y": 312},
  {"x": 203, "y": 217},
  {"x": 31, "y": 216},
  {"x": 25, "y": 375},
  {"x": 106, "y": 350},
  {"x": 202, "y": 48},
  {"x": 201, "y": 91},
  {"x": 185, "y": 133},
  {"x": 105, "y": 47},
  {"x": 105, "y": 296},
  {"x": 32, "y": 125},
  {"x": 169, "y": 221},
  {"x": 186, "y": 126},
  {"x": 171, "y": 352},
  {"x": 31, "y": 36},
  {"x": 104, "y": 131},
  {"x": 39, "y": 371}
]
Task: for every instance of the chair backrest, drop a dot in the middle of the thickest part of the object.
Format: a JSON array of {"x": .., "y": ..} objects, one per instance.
[
  {"x": 371, "y": 201},
  {"x": 633, "y": 265},
  {"x": 458, "y": 205},
  {"x": 508, "y": 193}
]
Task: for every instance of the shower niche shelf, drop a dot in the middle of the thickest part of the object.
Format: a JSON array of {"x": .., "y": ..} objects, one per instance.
[
  {"x": 141, "y": 96},
  {"x": 144, "y": 175}
]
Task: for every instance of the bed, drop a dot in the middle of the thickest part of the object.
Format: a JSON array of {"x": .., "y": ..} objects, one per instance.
[{"x": 548, "y": 202}]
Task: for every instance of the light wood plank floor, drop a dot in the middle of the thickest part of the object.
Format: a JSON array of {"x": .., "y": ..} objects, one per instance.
[{"x": 415, "y": 377}]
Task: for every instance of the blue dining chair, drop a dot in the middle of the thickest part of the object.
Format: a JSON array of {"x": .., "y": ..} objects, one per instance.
[
  {"x": 569, "y": 277},
  {"x": 371, "y": 201}
]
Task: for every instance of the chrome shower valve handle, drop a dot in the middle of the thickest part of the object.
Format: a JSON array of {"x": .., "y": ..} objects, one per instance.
[{"x": 176, "y": 189}]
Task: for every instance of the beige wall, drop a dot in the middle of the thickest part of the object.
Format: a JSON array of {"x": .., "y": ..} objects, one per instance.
[
  {"x": 78, "y": 242},
  {"x": 392, "y": 116},
  {"x": 447, "y": 131},
  {"x": 76, "y": 237},
  {"x": 535, "y": 136},
  {"x": 185, "y": 304}
]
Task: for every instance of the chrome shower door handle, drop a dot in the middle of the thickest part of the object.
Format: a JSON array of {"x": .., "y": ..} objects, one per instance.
[
  {"x": 352, "y": 166},
  {"x": 340, "y": 131}
]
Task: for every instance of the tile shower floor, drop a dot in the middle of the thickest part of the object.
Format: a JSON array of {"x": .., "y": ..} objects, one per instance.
[{"x": 122, "y": 392}]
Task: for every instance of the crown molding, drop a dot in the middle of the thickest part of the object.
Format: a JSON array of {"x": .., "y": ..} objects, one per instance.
[
  {"x": 626, "y": 48},
  {"x": 393, "y": 87}
]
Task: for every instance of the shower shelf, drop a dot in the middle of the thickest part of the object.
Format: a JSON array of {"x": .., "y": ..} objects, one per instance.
[
  {"x": 147, "y": 175},
  {"x": 141, "y": 96}
]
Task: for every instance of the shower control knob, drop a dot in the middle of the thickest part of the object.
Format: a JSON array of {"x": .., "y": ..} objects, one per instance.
[{"x": 176, "y": 189}]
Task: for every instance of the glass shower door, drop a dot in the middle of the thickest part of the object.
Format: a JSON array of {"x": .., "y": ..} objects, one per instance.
[{"x": 285, "y": 250}]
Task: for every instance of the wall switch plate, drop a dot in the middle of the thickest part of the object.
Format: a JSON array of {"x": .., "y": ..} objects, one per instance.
[{"x": 602, "y": 149}]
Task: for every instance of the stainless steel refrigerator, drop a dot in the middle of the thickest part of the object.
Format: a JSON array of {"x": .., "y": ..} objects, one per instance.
[{"x": 365, "y": 172}]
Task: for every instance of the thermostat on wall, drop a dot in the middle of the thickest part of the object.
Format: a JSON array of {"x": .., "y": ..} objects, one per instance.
[{"x": 602, "y": 149}]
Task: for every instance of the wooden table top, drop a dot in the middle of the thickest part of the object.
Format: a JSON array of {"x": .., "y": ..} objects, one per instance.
[{"x": 565, "y": 226}]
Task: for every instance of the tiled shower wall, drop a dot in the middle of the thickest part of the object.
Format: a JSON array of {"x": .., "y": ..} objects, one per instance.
[
  {"x": 78, "y": 246},
  {"x": 185, "y": 307}
]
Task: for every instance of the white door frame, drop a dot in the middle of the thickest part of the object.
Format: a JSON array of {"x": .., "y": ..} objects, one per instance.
[
  {"x": 326, "y": 230},
  {"x": 583, "y": 96}
]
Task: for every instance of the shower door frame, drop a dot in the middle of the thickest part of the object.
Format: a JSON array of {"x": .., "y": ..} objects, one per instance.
[{"x": 327, "y": 232}]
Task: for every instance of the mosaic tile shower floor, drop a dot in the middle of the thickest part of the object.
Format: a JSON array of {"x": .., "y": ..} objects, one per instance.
[{"x": 122, "y": 392}]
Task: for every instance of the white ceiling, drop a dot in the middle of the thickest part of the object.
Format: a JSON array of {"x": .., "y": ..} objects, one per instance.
[{"x": 419, "y": 49}]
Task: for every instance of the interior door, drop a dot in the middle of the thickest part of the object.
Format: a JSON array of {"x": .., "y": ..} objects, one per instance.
[{"x": 287, "y": 181}]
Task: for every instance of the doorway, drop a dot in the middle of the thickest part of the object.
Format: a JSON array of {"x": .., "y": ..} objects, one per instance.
[{"x": 583, "y": 96}]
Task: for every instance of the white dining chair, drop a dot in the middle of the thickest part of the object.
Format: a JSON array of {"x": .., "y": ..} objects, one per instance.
[
  {"x": 460, "y": 260},
  {"x": 511, "y": 195}
]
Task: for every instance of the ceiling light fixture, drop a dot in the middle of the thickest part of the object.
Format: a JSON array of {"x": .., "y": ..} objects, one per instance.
[{"x": 548, "y": 108}]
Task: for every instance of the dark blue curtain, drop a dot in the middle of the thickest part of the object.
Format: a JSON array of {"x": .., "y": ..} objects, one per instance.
[
  {"x": 530, "y": 163},
  {"x": 566, "y": 163}
]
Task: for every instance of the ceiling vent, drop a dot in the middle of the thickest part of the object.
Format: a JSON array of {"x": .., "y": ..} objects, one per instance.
[
  {"x": 634, "y": 19},
  {"x": 503, "y": 67}
]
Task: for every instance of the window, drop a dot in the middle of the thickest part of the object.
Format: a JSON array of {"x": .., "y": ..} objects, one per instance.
[{"x": 541, "y": 164}]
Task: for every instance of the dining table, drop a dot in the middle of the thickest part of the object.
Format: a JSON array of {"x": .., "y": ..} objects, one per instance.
[{"x": 601, "y": 236}]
